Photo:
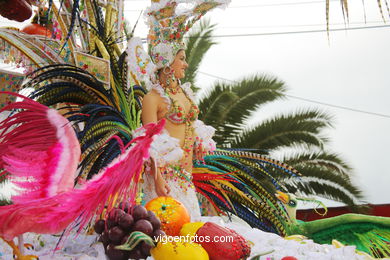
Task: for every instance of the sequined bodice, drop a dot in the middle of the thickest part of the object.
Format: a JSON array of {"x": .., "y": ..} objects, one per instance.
[{"x": 177, "y": 115}]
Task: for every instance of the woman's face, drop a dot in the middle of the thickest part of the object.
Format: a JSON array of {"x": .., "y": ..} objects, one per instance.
[{"x": 179, "y": 65}]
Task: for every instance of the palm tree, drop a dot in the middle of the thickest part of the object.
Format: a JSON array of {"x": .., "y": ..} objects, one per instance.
[{"x": 228, "y": 106}]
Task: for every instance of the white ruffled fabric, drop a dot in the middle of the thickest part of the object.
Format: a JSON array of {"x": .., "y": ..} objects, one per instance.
[
  {"x": 164, "y": 150},
  {"x": 204, "y": 136}
]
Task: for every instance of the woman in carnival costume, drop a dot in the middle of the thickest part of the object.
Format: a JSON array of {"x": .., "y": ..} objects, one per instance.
[{"x": 185, "y": 137}]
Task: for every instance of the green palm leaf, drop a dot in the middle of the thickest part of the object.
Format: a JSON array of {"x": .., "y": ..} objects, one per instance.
[
  {"x": 302, "y": 128},
  {"x": 198, "y": 42},
  {"x": 227, "y": 106},
  {"x": 324, "y": 183},
  {"x": 325, "y": 160}
]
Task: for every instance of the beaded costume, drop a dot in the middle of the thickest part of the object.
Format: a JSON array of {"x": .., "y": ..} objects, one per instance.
[
  {"x": 179, "y": 179},
  {"x": 168, "y": 24}
]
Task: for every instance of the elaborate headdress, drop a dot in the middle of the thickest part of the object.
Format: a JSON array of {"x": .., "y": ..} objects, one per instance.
[{"x": 169, "y": 20}]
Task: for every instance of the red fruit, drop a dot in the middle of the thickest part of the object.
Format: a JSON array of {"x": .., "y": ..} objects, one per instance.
[
  {"x": 99, "y": 226},
  {"x": 116, "y": 235},
  {"x": 139, "y": 212},
  {"x": 143, "y": 226},
  {"x": 125, "y": 222},
  {"x": 238, "y": 248},
  {"x": 289, "y": 258}
]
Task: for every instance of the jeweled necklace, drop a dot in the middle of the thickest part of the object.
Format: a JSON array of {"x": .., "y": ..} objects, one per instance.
[{"x": 173, "y": 90}]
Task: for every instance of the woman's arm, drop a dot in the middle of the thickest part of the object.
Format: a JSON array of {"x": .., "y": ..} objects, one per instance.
[
  {"x": 149, "y": 109},
  {"x": 149, "y": 115}
]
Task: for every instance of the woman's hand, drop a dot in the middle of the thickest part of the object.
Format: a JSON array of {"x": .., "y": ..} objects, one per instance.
[
  {"x": 199, "y": 152},
  {"x": 160, "y": 185}
]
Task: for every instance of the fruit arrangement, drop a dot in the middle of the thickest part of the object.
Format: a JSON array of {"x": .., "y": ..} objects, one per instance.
[{"x": 128, "y": 232}]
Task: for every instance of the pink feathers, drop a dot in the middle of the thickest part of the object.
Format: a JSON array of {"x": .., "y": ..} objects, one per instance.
[
  {"x": 41, "y": 154},
  {"x": 39, "y": 149}
]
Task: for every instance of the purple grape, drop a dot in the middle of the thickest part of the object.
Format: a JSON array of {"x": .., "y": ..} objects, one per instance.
[
  {"x": 124, "y": 239},
  {"x": 144, "y": 226},
  {"x": 151, "y": 214},
  {"x": 105, "y": 240},
  {"x": 115, "y": 214},
  {"x": 135, "y": 254},
  {"x": 115, "y": 254},
  {"x": 116, "y": 234},
  {"x": 99, "y": 226},
  {"x": 125, "y": 222},
  {"x": 125, "y": 206},
  {"x": 145, "y": 249},
  {"x": 155, "y": 221},
  {"x": 111, "y": 223},
  {"x": 139, "y": 212},
  {"x": 158, "y": 233}
]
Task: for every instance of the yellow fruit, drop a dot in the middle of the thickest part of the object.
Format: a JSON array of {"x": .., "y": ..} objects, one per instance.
[
  {"x": 179, "y": 251},
  {"x": 191, "y": 228}
]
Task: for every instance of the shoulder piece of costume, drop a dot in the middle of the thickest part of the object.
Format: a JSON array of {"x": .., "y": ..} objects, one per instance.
[
  {"x": 204, "y": 136},
  {"x": 164, "y": 150},
  {"x": 140, "y": 66}
]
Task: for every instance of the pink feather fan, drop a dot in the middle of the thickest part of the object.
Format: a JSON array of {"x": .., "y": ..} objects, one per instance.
[
  {"x": 40, "y": 150},
  {"x": 53, "y": 214}
]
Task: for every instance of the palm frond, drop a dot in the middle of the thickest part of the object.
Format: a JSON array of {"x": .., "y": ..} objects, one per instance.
[
  {"x": 325, "y": 160},
  {"x": 299, "y": 128},
  {"x": 317, "y": 181},
  {"x": 227, "y": 106},
  {"x": 198, "y": 42}
]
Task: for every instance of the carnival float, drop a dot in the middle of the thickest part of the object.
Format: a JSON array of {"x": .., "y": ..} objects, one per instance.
[{"x": 76, "y": 148}]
